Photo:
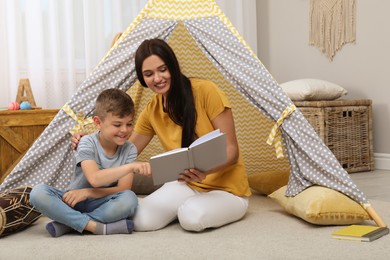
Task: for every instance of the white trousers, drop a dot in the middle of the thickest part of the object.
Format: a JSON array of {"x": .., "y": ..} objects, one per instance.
[{"x": 195, "y": 210}]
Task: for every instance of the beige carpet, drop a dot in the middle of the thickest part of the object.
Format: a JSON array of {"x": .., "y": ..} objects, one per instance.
[{"x": 266, "y": 232}]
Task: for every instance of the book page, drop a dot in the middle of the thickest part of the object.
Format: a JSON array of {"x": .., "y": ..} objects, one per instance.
[
  {"x": 168, "y": 168},
  {"x": 205, "y": 153},
  {"x": 178, "y": 150},
  {"x": 206, "y": 137}
]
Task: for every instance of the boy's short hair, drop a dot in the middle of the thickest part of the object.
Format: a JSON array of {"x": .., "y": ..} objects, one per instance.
[{"x": 114, "y": 101}]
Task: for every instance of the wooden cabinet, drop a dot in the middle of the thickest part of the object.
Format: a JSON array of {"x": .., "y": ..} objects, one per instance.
[{"x": 18, "y": 130}]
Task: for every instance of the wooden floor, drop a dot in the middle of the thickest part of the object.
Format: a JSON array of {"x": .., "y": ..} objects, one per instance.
[{"x": 375, "y": 184}]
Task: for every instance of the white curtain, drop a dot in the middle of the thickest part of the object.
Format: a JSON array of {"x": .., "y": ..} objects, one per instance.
[{"x": 57, "y": 43}]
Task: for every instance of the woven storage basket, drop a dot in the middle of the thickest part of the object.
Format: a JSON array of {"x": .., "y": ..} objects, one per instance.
[{"x": 345, "y": 126}]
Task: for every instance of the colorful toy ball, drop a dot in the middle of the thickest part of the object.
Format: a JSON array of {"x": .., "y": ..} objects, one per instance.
[
  {"x": 13, "y": 106},
  {"x": 25, "y": 105}
]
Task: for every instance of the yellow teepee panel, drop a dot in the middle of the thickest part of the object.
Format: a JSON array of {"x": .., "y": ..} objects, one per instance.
[
  {"x": 182, "y": 9},
  {"x": 252, "y": 126}
]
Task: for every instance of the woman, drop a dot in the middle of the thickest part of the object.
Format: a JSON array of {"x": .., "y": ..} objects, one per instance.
[{"x": 183, "y": 110}]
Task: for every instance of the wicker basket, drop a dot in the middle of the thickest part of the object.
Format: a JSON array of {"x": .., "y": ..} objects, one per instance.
[{"x": 345, "y": 126}]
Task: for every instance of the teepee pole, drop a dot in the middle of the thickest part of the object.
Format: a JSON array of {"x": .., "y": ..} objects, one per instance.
[{"x": 375, "y": 216}]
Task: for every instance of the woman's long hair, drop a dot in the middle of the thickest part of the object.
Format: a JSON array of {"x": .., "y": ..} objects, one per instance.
[{"x": 180, "y": 100}]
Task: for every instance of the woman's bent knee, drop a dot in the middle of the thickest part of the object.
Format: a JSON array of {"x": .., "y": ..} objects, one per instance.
[
  {"x": 211, "y": 210},
  {"x": 150, "y": 218},
  {"x": 192, "y": 218}
]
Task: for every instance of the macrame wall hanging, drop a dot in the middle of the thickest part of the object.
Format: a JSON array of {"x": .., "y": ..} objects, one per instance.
[{"x": 332, "y": 24}]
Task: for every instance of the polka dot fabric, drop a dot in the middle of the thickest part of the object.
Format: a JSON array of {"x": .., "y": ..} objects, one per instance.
[
  {"x": 311, "y": 161},
  {"x": 50, "y": 159}
]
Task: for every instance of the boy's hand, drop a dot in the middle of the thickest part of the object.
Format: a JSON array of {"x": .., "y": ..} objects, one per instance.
[
  {"x": 73, "y": 197},
  {"x": 75, "y": 139},
  {"x": 142, "y": 168}
]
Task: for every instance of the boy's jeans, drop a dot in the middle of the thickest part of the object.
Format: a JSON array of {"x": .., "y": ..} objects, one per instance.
[{"x": 48, "y": 200}]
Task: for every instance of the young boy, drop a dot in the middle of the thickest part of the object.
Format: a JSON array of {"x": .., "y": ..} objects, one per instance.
[{"x": 98, "y": 198}]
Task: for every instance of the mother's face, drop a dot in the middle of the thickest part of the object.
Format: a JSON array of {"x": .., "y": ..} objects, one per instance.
[{"x": 156, "y": 75}]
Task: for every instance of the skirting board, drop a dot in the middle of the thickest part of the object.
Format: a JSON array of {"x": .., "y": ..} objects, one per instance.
[{"x": 382, "y": 161}]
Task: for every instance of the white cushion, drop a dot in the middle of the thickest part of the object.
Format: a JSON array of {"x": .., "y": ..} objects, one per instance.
[{"x": 312, "y": 89}]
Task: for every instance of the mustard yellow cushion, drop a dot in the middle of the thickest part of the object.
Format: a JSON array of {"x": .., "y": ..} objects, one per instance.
[
  {"x": 266, "y": 182},
  {"x": 321, "y": 206}
]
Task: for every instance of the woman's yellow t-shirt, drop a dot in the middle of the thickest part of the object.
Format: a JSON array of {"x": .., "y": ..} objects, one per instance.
[{"x": 210, "y": 101}]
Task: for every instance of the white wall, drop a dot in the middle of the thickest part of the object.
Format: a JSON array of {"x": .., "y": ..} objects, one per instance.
[{"x": 362, "y": 68}]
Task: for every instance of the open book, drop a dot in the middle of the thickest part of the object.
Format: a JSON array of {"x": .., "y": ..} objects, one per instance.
[{"x": 206, "y": 152}]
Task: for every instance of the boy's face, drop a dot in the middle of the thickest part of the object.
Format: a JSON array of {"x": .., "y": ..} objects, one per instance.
[{"x": 113, "y": 129}]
